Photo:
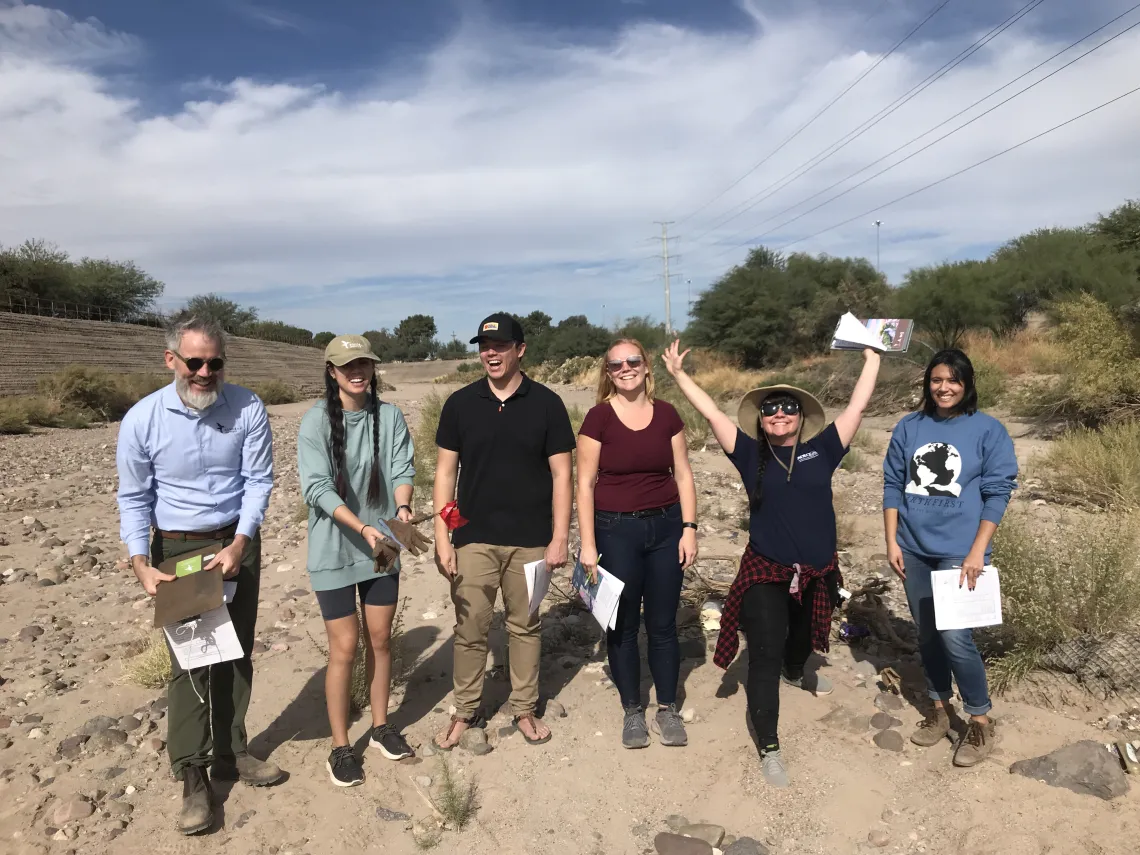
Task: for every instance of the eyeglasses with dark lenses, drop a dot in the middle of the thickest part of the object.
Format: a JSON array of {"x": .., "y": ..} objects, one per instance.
[
  {"x": 615, "y": 365},
  {"x": 195, "y": 363},
  {"x": 790, "y": 406}
]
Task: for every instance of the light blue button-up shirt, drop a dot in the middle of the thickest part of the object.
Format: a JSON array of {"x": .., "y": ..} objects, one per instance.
[{"x": 181, "y": 470}]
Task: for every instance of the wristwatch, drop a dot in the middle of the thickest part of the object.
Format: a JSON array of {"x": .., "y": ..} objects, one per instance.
[{"x": 691, "y": 525}]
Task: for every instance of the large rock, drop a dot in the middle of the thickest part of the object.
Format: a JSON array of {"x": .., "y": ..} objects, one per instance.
[
  {"x": 889, "y": 740},
  {"x": 48, "y": 576},
  {"x": 746, "y": 846},
  {"x": 100, "y": 722},
  {"x": 1085, "y": 767},
  {"x": 888, "y": 702},
  {"x": 711, "y": 834},
  {"x": 72, "y": 810},
  {"x": 667, "y": 843},
  {"x": 843, "y": 719}
]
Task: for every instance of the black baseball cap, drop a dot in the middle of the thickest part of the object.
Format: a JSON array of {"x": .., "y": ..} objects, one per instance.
[{"x": 499, "y": 327}]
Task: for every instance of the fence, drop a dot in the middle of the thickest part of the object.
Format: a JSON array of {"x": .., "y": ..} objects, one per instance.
[{"x": 78, "y": 311}]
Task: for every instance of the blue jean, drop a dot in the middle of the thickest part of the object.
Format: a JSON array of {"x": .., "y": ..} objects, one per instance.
[
  {"x": 945, "y": 653},
  {"x": 643, "y": 553}
]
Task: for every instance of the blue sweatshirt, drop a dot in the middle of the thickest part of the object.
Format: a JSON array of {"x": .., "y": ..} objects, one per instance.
[{"x": 945, "y": 476}]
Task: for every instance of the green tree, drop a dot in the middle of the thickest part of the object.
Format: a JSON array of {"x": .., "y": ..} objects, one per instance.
[
  {"x": 116, "y": 285},
  {"x": 233, "y": 318},
  {"x": 644, "y": 329},
  {"x": 322, "y": 339},
  {"x": 946, "y": 300},
  {"x": 1121, "y": 227},
  {"x": 383, "y": 343},
  {"x": 576, "y": 336},
  {"x": 454, "y": 349},
  {"x": 415, "y": 337},
  {"x": 278, "y": 331}
]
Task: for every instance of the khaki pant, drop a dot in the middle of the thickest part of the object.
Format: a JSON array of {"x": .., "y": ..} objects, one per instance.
[{"x": 483, "y": 570}]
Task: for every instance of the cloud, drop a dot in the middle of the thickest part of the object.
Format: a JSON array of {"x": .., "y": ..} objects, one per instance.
[
  {"x": 274, "y": 19},
  {"x": 527, "y": 172}
]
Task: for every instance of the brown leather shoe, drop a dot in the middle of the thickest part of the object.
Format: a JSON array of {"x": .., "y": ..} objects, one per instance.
[
  {"x": 197, "y": 801},
  {"x": 248, "y": 769},
  {"x": 975, "y": 745},
  {"x": 932, "y": 729}
]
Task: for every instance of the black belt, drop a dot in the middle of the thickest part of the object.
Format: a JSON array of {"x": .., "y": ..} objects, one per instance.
[{"x": 639, "y": 515}]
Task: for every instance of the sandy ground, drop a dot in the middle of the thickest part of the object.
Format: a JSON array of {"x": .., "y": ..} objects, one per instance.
[{"x": 580, "y": 793}]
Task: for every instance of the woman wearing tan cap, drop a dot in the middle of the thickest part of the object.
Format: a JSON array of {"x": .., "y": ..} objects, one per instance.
[
  {"x": 355, "y": 461},
  {"x": 787, "y": 586}
]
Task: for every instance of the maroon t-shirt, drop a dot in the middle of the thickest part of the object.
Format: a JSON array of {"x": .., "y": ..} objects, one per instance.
[{"x": 635, "y": 470}]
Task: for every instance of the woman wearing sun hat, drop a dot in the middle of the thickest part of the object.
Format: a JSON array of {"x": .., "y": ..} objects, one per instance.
[
  {"x": 355, "y": 462},
  {"x": 787, "y": 586}
]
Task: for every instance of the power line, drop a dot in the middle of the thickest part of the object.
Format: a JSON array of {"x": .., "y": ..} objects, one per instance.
[
  {"x": 946, "y": 121},
  {"x": 943, "y": 180},
  {"x": 932, "y": 143},
  {"x": 826, "y": 107},
  {"x": 833, "y": 149}
]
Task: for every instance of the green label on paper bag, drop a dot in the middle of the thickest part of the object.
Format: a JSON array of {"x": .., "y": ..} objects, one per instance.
[{"x": 188, "y": 566}]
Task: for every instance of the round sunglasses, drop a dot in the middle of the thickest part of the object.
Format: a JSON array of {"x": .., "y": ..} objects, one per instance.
[
  {"x": 790, "y": 406},
  {"x": 195, "y": 363}
]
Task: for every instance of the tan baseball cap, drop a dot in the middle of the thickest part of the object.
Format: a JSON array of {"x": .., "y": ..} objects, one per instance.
[{"x": 345, "y": 348}]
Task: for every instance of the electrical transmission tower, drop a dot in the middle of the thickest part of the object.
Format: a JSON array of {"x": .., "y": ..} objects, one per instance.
[{"x": 665, "y": 259}]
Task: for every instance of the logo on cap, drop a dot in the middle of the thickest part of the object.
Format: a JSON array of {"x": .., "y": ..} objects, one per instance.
[
  {"x": 351, "y": 345},
  {"x": 490, "y": 326}
]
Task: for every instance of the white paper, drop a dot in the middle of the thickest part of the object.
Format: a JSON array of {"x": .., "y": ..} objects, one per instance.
[
  {"x": 851, "y": 331},
  {"x": 228, "y": 591},
  {"x": 602, "y": 597},
  {"x": 961, "y": 608},
  {"x": 537, "y": 583},
  {"x": 206, "y": 640}
]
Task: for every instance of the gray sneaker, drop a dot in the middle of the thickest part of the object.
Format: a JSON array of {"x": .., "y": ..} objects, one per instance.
[
  {"x": 775, "y": 772},
  {"x": 634, "y": 732},
  {"x": 809, "y": 682},
  {"x": 670, "y": 727}
]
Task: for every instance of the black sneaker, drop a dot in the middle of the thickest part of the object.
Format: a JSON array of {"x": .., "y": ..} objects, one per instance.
[
  {"x": 391, "y": 744},
  {"x": 344, "y": 769}
]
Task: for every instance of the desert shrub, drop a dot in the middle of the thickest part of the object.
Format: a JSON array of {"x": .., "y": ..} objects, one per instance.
[
  {"x": 13, "y": 417},
  {"x": 990, "y": 382},
  {"x": 577, "y": 416},
  {"x": 864, "y": 441},
  {"x": 424, "y": 438},
  {"x": 138, "y": 386},
  {"x": 1014, "y": 354},
  {"x": 568, "y": 371},
  {"x": 854, "y": 461},
  {"x": 697, "y": 430},
  {"x": 465, "y": 372},
  {"x": 1095, "y": 467},
  {"x": 1098, "y": 380},
  {"x": 275, "y": 392},
  {"x": 149, "y": 663},
  {"x": 1081, "y": 580},
  {"x": 87, "y": 389}
]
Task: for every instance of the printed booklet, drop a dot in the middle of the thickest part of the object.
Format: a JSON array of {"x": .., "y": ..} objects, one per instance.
[{"x": 886, "y": 335}]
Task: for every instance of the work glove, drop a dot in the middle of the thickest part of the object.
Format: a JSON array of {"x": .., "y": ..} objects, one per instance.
[
  {"x": 384, "y": 555},
  {"x": 408, "y": 535}
]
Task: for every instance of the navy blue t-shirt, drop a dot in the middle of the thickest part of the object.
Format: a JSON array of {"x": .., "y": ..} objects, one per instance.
[{"x": 796, "y": 521}]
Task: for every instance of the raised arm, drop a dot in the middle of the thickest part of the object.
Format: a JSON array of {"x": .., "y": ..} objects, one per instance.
[
  {"x": 847, "y": 423},
  {"x": 722, "y": 426}
]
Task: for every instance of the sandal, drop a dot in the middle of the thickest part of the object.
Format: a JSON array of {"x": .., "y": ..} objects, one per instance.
[
  {"x": 451, "y": 726},
  {"x": 534, "y": 726}
]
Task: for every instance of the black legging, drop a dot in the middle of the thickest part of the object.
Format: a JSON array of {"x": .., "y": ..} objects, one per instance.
[{"x": 778, "y": 631}]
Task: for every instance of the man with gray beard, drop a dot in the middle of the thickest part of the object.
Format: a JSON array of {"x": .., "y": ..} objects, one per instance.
[{"x": 195, "y": 463}]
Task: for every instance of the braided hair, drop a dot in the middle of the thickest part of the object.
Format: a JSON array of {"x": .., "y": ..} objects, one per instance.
[{"x": 335, "y": 411}]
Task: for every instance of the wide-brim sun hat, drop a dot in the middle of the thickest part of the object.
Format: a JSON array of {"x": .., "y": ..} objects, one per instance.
[
  {"x": 345, "y": 348},
  {"x": 812, "y": 414}
]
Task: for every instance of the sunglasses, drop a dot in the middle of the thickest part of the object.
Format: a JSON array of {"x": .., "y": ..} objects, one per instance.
[
  {"x": 790, "y": 406},
  {"x": 614, "y": 365},
  {"x": 195, "y": 363}
]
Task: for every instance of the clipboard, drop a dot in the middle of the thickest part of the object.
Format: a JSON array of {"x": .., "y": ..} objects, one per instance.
[{"x": 193, "y": 592}]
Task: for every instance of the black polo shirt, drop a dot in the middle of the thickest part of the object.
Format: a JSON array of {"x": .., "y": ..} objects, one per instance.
[{"x": 506, "y": 490}]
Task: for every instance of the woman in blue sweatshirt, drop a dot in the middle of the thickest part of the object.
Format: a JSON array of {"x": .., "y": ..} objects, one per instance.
[{"x": 947, "y": 479}]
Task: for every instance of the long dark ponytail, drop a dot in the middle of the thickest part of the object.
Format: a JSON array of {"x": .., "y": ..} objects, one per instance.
[{"x": 335, "y": 411}]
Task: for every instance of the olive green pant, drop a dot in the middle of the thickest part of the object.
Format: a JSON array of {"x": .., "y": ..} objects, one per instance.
[{"x": 201, "y": 731}]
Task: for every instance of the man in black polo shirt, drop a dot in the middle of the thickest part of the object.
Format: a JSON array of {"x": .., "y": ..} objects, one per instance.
[{"x": 511, "y": 439}]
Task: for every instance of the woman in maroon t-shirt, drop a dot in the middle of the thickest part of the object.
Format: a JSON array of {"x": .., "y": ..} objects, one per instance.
[{"x": 637, "y": 508}]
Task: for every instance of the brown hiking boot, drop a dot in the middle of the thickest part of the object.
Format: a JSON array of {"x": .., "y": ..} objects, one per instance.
[
  {"x": 197, "y": 801},
  {"x": 975, "y": 745},
  {"x": 932, "y": 729},
  {"x": 248, "y": 769}
]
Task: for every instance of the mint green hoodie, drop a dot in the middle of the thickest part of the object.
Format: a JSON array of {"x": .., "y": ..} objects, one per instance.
[{"x": 337, "y": 557}]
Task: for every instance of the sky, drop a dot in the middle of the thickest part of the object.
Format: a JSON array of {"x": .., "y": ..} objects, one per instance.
[{"x": 345, "y": 164}]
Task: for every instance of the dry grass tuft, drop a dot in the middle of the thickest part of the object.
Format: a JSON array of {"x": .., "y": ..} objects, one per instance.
[
  {"x": 149, "y": 662},
  {"x": 1022, "y": 352},
  {"x": 458, "y": 800},
  {"x": 424, "y": 439}
]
